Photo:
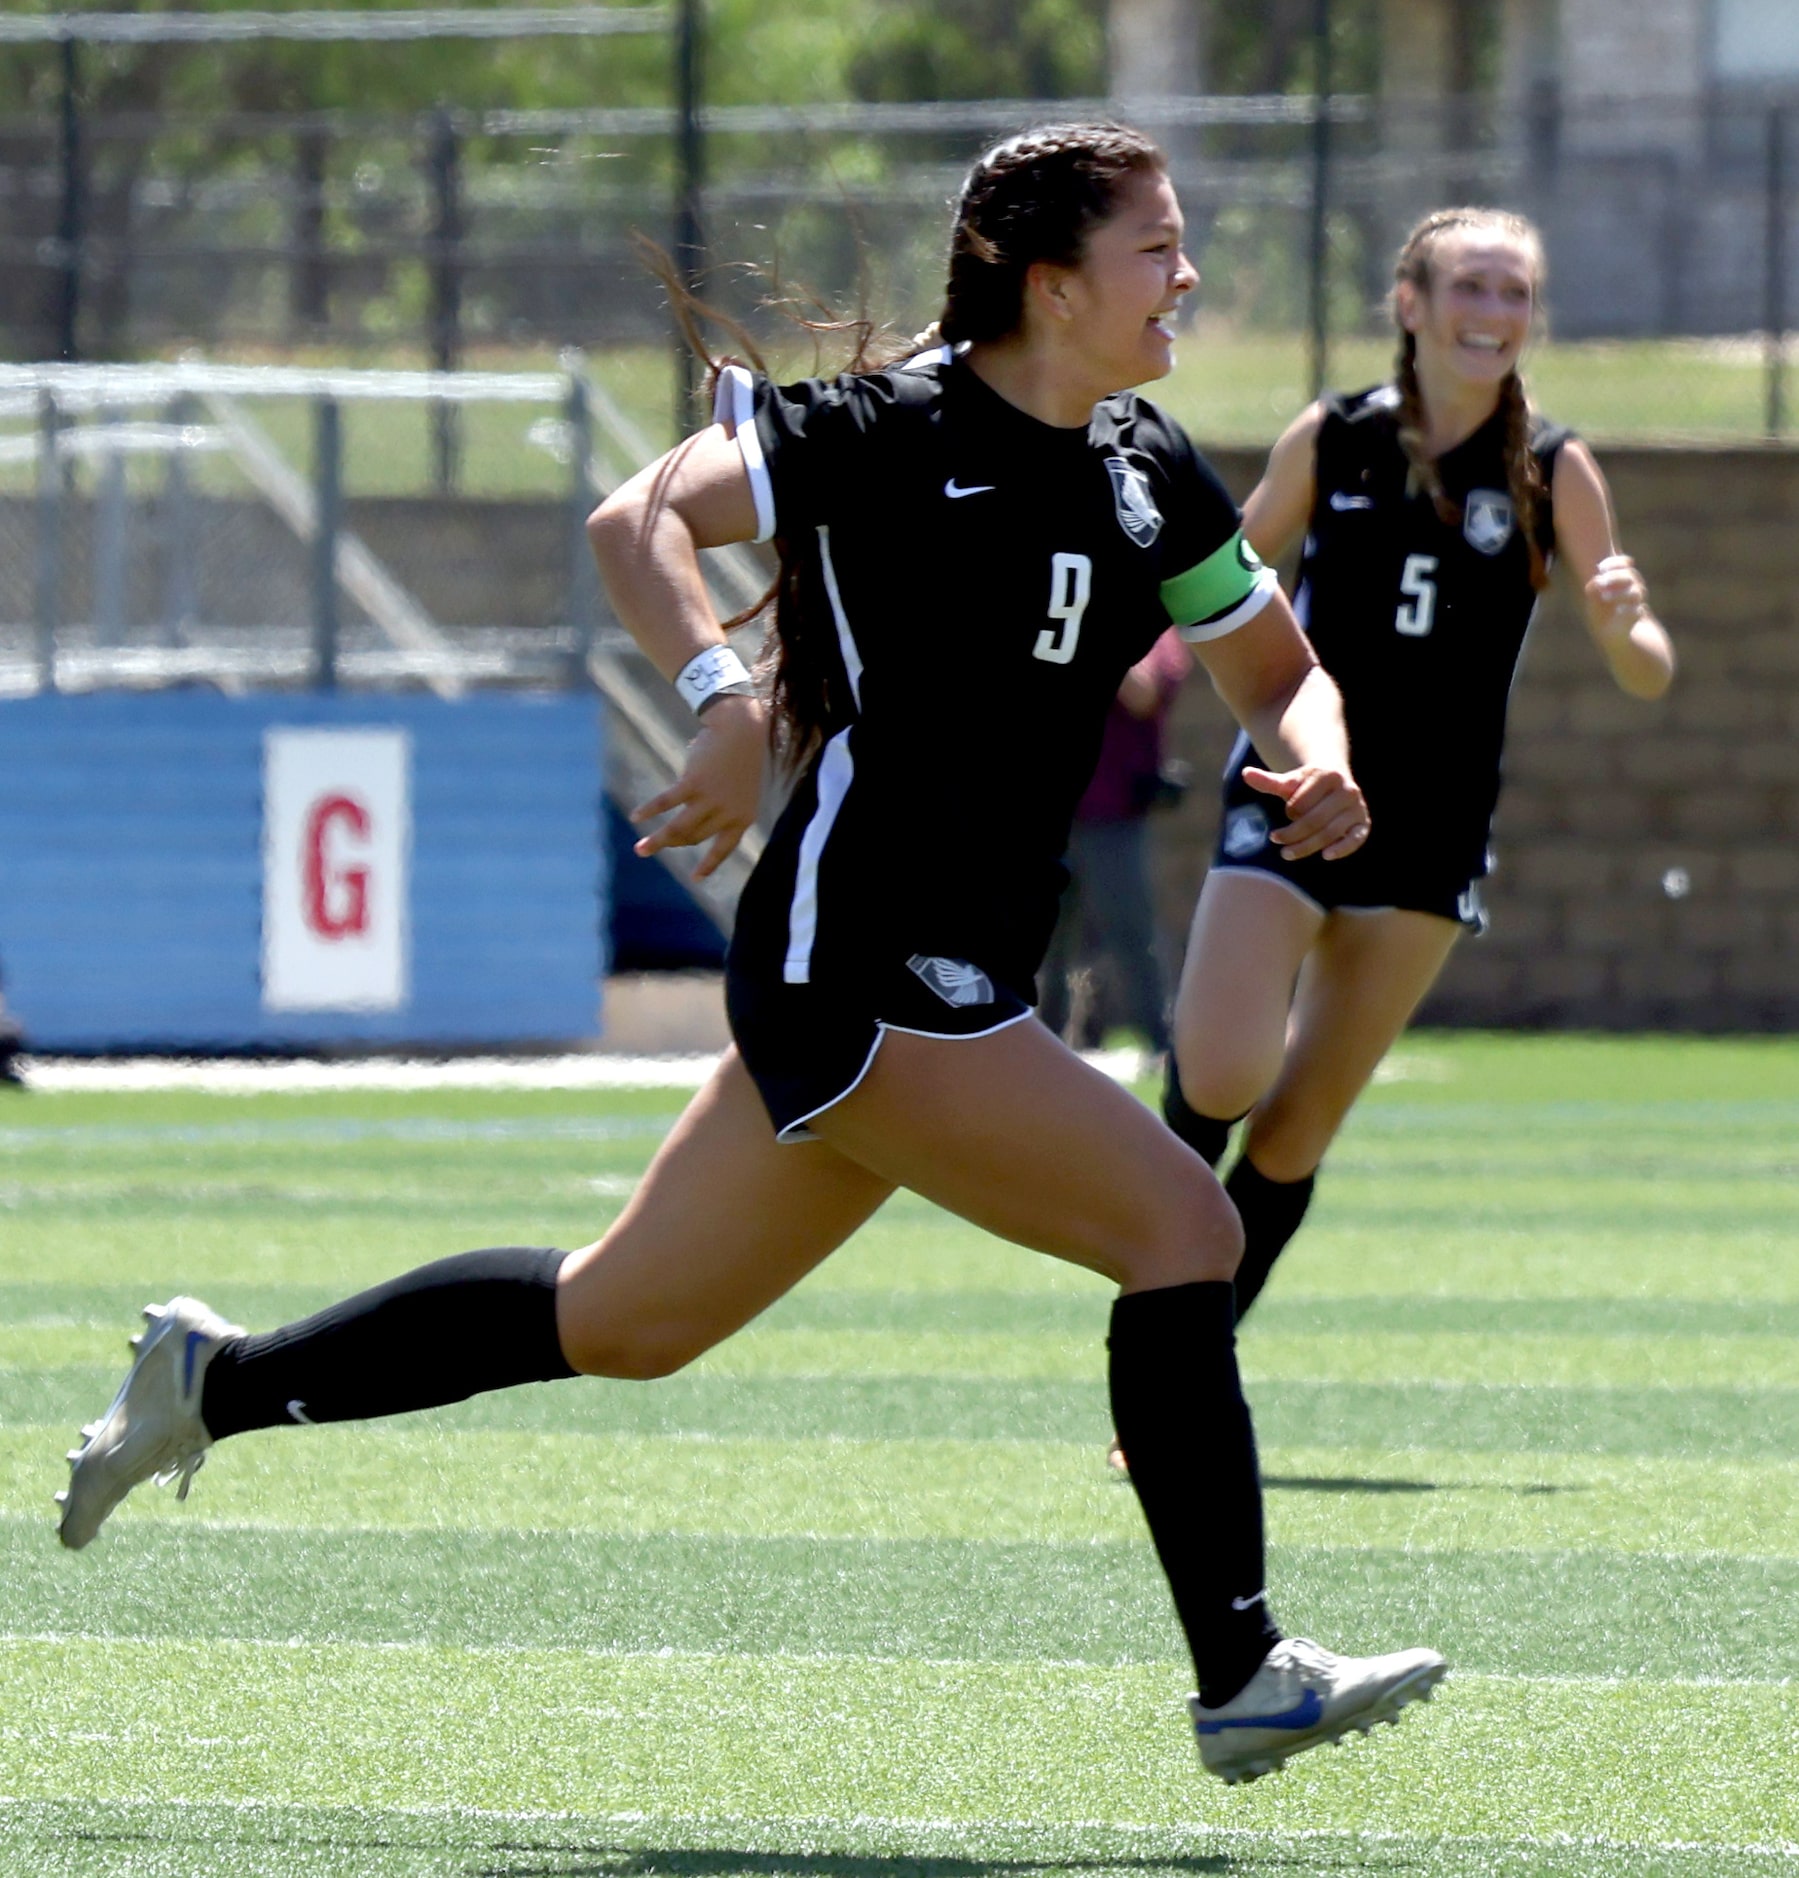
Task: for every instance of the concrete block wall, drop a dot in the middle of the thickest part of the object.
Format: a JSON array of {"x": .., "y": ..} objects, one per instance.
[{"x": 1648, "y": 853}]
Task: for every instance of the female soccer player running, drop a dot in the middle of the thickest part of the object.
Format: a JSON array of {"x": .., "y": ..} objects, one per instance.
[
  {"x": 1431, "y": 510},
  {"x": 975, "y": 550}
]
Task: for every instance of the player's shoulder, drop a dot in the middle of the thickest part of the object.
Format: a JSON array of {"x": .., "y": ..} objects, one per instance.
[
  {"x": 1547, "y": 437},
  {"x": 1371, "y": 411}
]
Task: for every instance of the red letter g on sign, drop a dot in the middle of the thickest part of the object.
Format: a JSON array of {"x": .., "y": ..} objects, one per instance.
[{"x": 337, "y": 899}]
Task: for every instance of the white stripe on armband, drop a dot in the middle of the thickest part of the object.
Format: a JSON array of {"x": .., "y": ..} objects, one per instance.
[
  {"x": 1266, "y": 587},
  {"x": 708, "y": 673},
  {"x": 735, "y": 400}
]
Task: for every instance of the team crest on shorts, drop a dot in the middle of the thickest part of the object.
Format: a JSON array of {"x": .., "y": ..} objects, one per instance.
[
  {"x": 1487, "y": 520},
  {"x": 1245, "y": 833},
  {"x": 955, "y": 981},
  {"x": 1138, "y": 515}
]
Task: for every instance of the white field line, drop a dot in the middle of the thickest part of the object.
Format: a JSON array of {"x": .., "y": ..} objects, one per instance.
[
  {"x": 259, "y": 1076},
  {"x": 401, "y": 1646},
  {"x": 955, "y": 1830}
]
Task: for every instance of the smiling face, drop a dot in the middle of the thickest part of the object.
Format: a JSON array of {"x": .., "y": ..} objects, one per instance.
[
  {"x": 1472, "y": 315},
  {"x": 1116, "y": 308}
]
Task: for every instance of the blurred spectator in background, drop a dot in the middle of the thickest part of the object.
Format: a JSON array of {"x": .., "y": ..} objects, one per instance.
[
  {"x": 1104, "y": 965},
  {"x": 12, "y": 1042}
]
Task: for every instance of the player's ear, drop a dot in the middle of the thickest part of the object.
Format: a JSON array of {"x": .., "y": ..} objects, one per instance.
[
  {"x": 1046, "y": 287},
  {"x": 1408, "y": 305}
]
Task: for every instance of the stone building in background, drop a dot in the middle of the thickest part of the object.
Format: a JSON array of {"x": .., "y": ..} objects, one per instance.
[{"x": 1646, "y": 136}]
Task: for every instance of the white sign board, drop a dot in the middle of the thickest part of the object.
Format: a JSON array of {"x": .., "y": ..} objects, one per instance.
[{"x": 336, "y": 840}]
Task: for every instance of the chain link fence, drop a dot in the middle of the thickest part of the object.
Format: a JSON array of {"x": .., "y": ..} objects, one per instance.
[{"x": 468, "y": 236}]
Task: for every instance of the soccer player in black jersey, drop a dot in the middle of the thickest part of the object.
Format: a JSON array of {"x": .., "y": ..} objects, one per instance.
[
  {"x": 974, "y": 552},
  {"x": 1431, "y": 511}
]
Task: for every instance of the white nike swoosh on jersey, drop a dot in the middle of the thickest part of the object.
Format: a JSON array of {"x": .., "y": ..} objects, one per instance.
[
  {"x": 1340, "y": 501},
  {"x": 954, "y": 490}
]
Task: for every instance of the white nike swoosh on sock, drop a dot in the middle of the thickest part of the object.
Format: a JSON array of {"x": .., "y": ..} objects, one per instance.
[{"x": 297, "y": 1412}]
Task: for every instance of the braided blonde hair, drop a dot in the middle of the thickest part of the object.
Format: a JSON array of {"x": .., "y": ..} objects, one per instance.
[{"x": 1524, "y": 476}]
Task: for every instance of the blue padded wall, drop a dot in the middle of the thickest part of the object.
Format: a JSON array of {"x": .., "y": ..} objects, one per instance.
[{"x": 131, "y": 890}]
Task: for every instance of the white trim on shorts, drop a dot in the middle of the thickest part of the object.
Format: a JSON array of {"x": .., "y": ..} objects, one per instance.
[
  {"x": 796, "y": 1132},
  {"x": 1288, "y": 886}
]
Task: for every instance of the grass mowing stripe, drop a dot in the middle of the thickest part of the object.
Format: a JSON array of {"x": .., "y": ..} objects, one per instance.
[
  {"x": 1727, "y": 1424},
  {"x": 994, "y": 1741},
  {"x": 148, "y": 1840},
  {"x": 413, "y": 1476},
  {"x": 111, "y": 1309},
  {"x": 1000, "y": 1355},
  {"x": 1516, "y": 1612}
]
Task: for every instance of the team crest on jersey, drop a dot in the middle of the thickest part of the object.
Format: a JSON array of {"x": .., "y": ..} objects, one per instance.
[
  {"x": 1487, "y": 520},
  {"x": 1245, "y": 833},
  {"x": 1138, "y": 515},
  {"x": 955, "y": 981}
]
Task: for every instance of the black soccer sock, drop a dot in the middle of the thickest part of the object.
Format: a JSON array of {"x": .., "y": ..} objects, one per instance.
[
  {"x": 442, "y": 1333},
  {"x": 1179, "y": 1410},
  {"x": 1271, "y": 1212},
  {"x": 1204, "y": 1134}
]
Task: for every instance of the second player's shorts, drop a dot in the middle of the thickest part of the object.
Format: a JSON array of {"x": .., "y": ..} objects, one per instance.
[{"x": 1378, "y": 876}]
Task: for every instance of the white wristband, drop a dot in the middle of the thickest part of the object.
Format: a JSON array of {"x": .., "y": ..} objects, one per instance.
[{"x": 708, "y": 673}]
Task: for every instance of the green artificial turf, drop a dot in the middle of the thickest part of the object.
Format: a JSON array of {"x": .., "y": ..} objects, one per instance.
[{"x": 856, "y": 1597}]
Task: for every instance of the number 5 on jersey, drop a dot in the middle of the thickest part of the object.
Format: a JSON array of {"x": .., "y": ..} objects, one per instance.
[
  {"x": 1070, "y": 588},
  {"x": 1419, "y": 609}
]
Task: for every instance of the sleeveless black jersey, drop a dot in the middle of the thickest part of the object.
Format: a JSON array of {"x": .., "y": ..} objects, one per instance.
[
  {"x": 1421, "y": 623},
  {"x": 982, "y": 582}
]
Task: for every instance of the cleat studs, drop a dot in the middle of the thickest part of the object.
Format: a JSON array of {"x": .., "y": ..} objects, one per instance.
[
  {"x": 61, "y": 1496},
  {"x": 89, "y": 1430},
  {"x": 154, "y": 1311},
  {"x": 132, "y": 1343}
]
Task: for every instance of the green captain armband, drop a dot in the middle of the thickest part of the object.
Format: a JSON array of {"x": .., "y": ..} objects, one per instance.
[{"x": 1216, "y": 597}]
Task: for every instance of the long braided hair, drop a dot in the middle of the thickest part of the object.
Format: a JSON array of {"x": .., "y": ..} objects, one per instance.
[
  {"x": 1524, "y": 477},
  {"x": 1035, "y": 197}
]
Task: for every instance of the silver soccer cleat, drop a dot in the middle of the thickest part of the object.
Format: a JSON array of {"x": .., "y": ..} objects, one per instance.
[
  {"x": 1303, "y": 1696},
  {"x": 153, "y": 1429}
]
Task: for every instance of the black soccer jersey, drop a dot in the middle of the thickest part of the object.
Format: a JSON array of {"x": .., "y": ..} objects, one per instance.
[
  {"x": 1420, "y": 622},
  {"x": 985, "y": 581}
]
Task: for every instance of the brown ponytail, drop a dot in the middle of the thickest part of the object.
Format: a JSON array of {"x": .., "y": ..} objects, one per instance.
[{"x": 1524, "y": 475}]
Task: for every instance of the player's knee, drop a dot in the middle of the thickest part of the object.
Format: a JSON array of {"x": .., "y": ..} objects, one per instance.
[
  {"x": 632, "y": 1352},
  {"x": 1194, "y": 1237},
  {"x": 1222, "y": 1082}
]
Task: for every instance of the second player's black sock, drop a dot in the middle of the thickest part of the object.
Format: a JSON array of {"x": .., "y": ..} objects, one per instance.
[
  {"x": 1204, "y": 1134},
  {"x": 1271, "y": 1212},
  {"x": 442, "y": 1333},
  {"x": 1179, "y": 1410}
]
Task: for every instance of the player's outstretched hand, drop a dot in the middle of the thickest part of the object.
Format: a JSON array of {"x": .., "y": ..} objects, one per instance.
[
  {"x": 1325, "y": 810},
  {"x": 1617, "y": 596},
  {"x": 720, "y": 788}
]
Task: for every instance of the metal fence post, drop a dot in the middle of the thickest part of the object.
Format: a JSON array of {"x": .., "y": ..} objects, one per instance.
[
  {"x": 180, "y": 557},
  {"x": 1775, "y": 303},
  {"x": 583, "y": 576},
  {"x": 690, "y": 183},
  {"x": 1318, "y": 233},
  {"x": 112, "y": 534},
  {"x": 70, "y": 213},
  {"x": 49, "y": 539},
  {"x": 444, "y": 161},
  {"x": 328, "y": 499}
]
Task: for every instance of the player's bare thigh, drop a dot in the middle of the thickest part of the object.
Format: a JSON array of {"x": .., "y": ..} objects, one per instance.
[
  {"x": 1358, "y": 988},
  {"x": 1249, "y": 936},
  {"x": 725, "y": 1221},
  {"x": 1015, "y": 1133}
]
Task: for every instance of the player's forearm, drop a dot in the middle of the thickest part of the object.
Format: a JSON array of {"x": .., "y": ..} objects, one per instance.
[
  {"x": 1641, "y": 656},
  {"x": 1304, "y": 726}
]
